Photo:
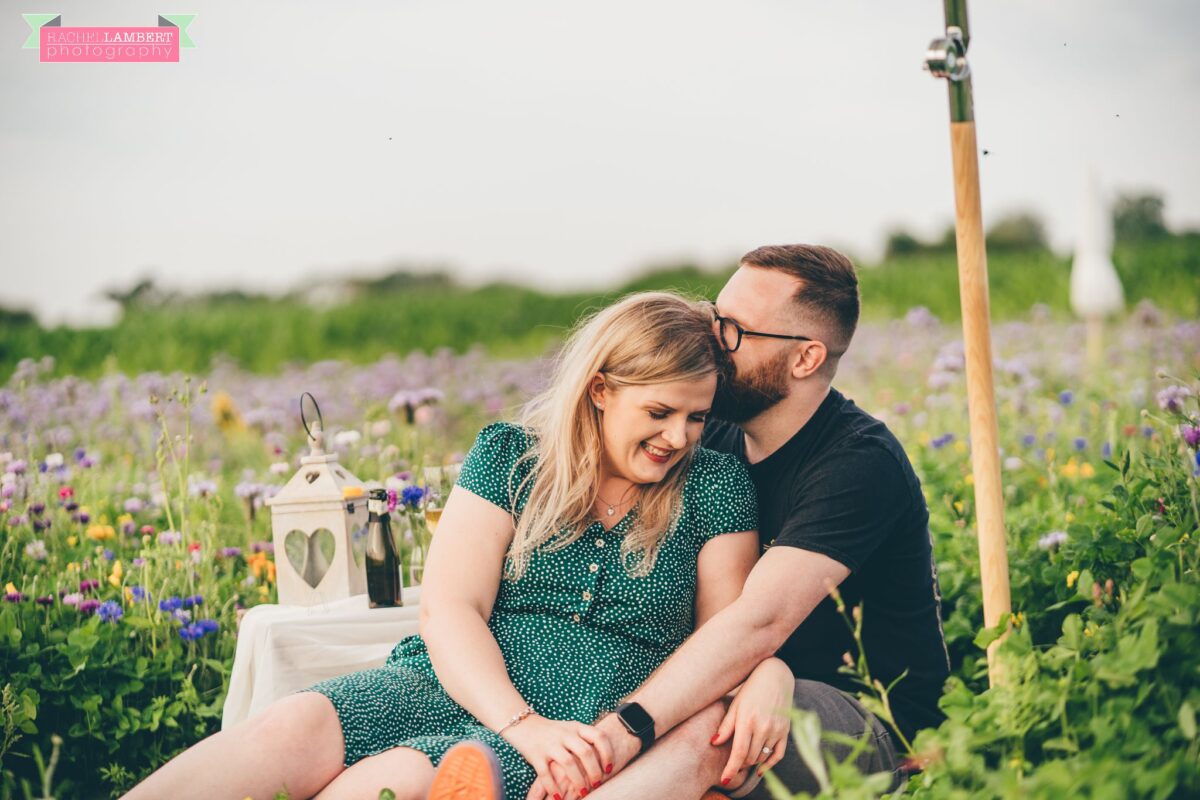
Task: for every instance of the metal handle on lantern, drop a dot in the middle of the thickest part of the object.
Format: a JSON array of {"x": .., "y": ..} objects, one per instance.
[{"x": 317, "y": 439}]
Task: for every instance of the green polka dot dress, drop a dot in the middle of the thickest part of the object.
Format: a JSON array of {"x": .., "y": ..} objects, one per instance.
[{"x": 577, "y": 632}]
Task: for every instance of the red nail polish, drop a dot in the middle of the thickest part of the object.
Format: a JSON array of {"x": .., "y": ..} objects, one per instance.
[
  {"x": 608, "y": 768},
  {"x": 725, "y": 781},
  {"x": 583, "y": 792},
  {"x": 557, "y": 796},
  {"x": 714, "y": 739},
  {"x": 596, "y": 785}
]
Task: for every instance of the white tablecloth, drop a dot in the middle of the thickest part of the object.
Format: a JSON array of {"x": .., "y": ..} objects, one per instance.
[{"x": 281, "y": 649}]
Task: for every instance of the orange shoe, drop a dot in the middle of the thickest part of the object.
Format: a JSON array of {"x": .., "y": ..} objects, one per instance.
[{"x": 468, "y": 771}]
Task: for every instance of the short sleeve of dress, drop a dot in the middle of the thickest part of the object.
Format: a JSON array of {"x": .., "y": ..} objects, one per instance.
[
  {"x": 490, "y": 468},
  {"x": 726, "y": 494}
]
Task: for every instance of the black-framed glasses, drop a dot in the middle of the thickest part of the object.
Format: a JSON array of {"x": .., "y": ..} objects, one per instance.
[{"x": 732, "y": 333}]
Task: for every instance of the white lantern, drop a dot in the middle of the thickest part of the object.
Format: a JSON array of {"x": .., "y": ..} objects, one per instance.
[{"x": 314, "y": 528}]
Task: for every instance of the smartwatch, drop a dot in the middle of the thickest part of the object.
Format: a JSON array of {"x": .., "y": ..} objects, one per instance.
[{"x": 638, "y": 722}]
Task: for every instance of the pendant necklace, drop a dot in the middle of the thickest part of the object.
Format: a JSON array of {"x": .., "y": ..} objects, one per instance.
[{"x": 612, "y": 507}]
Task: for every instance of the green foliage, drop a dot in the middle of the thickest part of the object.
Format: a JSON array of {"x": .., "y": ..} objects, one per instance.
[
  {"x": 1138, "y": 217},
  {"x": 406, "y": 312}
]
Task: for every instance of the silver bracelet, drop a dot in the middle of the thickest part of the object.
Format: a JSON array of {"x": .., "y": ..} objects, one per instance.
[{"x": 517, "y": 719}]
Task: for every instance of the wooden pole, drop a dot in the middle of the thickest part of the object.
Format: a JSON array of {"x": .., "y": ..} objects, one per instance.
[{"x": 976, "y": 316}]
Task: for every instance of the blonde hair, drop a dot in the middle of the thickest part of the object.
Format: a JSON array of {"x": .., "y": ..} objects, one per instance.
[{"x": 645, "y": 338}]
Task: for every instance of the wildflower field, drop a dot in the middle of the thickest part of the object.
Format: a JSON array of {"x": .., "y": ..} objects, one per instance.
[{"x": 134, "y": 531}]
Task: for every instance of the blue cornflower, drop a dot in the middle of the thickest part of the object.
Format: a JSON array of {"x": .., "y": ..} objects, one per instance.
[
  {"x": 110, "y": 611},
  {"x": 1106, "y": 450},
  {"x": 208, "y": 625},
  {"x": 1080, "y": 443},
  {"x": 172, "y": 603},
  {"x": 138, "y": 593},
  {"x": 109, "y": 555},
  {"x": 411, "y": 496},
  {"x": 190, "y": 633},
  {"x": 1065, "y": 397},
  {"x": 182, "y": 617},
  {"x": 194, "y": 600},
  {"x": 1029, "y": 440},
  {"x": 942, "y": 441}
]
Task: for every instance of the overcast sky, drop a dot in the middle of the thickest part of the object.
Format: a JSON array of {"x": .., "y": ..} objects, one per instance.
[{"x": 562, "y": 143}]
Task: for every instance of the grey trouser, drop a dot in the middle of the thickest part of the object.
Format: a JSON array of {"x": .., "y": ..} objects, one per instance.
[{"x": 839, "y": 712}]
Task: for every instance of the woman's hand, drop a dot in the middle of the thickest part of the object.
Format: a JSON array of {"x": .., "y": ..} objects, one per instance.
[
  {"x": 570, "y": 758},
  {"x": 758, "y": 718}
]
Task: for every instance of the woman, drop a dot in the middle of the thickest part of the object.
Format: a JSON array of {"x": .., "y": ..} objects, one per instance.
[{"x": 576, "y": 553}]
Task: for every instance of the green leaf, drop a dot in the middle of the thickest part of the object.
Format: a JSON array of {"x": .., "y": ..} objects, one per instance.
[
  {"x": 1084, "y": 586},
  {"x": 1187, "y": 720},
  {"x": 387, "y": 794}
]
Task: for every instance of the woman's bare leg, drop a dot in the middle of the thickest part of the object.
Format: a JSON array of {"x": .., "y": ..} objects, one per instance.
[
  {"x": 405, "y": 771},
  {"x": 295, "y": 744}
]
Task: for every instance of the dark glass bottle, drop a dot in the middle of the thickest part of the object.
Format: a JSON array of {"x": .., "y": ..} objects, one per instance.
[{"x": 385, "y": 587}]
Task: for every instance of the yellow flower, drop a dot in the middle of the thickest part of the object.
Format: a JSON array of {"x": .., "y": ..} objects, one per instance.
[
  {"x": 1070, "y": 469},
  {"x": 9, "y": 588},
  {"x": 958, "y": 506},
  {"x": 1069, "y": 517},
  {"x": 225, "y": 413},
  {"x": 264, "y": 592},
  {"x": 128, "y": 595},
  {"x": 101, "y": 533},
  {"x": 924, "y": 437},
  {"x": 72, "y": 567},
  {"x": 121, "y": 520},
  {"x": 1018, "y": 619},
  {"x": 1015, "y": 763},
  {"x": 960, "y": 446},
  {"x": 117, "y": 572},
  {"x": 1049, "y": 453},
  {"x": 1087, "y": 471},
  {"x": 970, "y": 479},
  {"x": 1087, "y": 632},
  {"x": 72, "y": 540},
  {"x": 1072, "y": 576}
]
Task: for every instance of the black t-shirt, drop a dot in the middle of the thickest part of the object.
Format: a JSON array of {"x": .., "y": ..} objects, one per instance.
[{"x": 843, "y": 486}]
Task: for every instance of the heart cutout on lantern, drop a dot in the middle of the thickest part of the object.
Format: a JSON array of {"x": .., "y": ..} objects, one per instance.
[
  {"x": 311, "y": 476},
  {"x": 358, "y": 544},
  {"x": 310, "y": 554}
]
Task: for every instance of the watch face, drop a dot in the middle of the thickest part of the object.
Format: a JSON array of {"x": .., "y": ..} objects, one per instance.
[{"x": 635, "y": 718}]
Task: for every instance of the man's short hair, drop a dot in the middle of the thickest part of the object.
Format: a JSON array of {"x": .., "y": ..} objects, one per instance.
[{"x": 828, "y": 291}]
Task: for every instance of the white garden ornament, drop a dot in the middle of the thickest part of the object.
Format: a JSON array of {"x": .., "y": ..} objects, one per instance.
[
  {"x": 1095, "y": 286},
  {"x": 314, "y": 529}
]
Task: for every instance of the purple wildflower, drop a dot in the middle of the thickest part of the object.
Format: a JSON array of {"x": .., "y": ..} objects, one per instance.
[
  {"x": 172, "y": 603},
  {"x": 1080, "y": 443},
  {"x": 942, "y": 441},
  {"x": 109, "y": 555},
  {"x": 72, "y": 599},
  {"x": 230, "y": 552},
  {"x": 1190, "y": 434},
  {"x": 133, "y": 505},
  {"x": 88, "y": 585},
  {"x": 190, "y": 633},
  {"x": 14, "y": 597},
  {"x": 138, "y": 593},
  {"x": 1066, "y": 397},
  {"x": 89, "y": 606},
  {"x": 1106, "y": 450},
  {"x": 138, "y": 562},
  {"x": 1173, "y": 397},
  {"x": 262, "y": 547},
  {"x": 1052, "y": 540},
  {"x": 36, "y": 509},
  {"x": 110, "y": 611},
  {"x": 45, "y": 600},
  {"x": 170, "y": 537}
]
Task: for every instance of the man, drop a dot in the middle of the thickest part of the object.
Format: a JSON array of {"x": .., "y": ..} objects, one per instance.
[{"x": 839, "y": 506}]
